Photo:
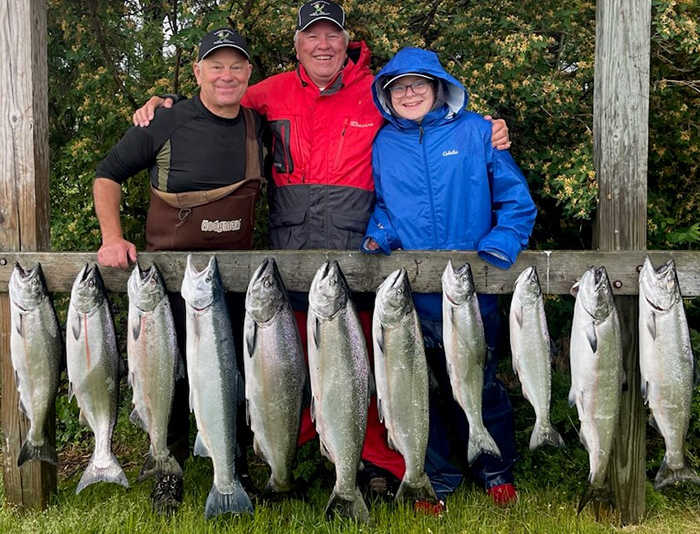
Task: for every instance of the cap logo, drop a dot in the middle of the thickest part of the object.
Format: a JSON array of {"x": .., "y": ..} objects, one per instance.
[
  {"x": 223, "y": 35},
  {"x": 319, "y": 7}
]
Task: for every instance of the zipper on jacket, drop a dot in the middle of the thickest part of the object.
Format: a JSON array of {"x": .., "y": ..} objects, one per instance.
[
  {"x": 342, "y": 143},
  {"x": 284, "y": 152},
  {"x": 430, "y": 185}
]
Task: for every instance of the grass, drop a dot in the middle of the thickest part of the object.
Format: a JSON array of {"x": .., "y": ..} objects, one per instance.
[{"x": 552, "y": 508}]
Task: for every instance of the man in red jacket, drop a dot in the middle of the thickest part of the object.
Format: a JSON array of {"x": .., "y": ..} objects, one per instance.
[{"x": 323, "y": 121}]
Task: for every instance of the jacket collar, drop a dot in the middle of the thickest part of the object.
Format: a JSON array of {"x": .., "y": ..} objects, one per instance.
[{"x": 355, "y": 67}]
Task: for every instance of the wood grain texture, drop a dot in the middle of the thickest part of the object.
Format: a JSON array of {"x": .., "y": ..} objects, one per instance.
[
  {"x": 621, "y": 131},
  {"x": 558, "y": 270},
  {"x": 24, "y": 211}
]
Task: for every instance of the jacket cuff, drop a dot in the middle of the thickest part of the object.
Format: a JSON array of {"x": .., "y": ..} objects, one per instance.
[{"x": 382, "y": 241}]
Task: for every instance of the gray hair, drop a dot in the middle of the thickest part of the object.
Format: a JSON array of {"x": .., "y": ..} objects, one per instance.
[{"x": 345, "y": 34}]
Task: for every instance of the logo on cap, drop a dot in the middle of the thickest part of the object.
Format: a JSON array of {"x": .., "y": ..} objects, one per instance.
[
  {"x": 223, "y": 35},
  {"x": 318, "y": 6}
]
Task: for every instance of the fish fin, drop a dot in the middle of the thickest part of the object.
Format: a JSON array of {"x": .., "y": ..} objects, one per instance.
[
  {"x": 324, "y": 450},
  {"x": 603, "y": 495},
  {"x": 251, "y": 335},
  {"x": 312, "y": 409},
  {"x": 45, "y": 453},
  {"x": 71, "y": 393},
  {"x": 518, "y": 313},
  {"x": 19, "y": 324},
  {"x": 380, "y": 339},
  {"x": 200, "y": 449},
  {"x": 136, "y": 418},
  {"x": 113, "y": 472},
  {"x": 423, "y": 491},
  {"x": 651, "y": 325},
  {"x": 75, "y": 324},
  {"x": 355, "y": 508},
  {"x": 82, "y": 419},
  {"x": 135, "y": 325},
  {"x": 236, "y": 502},
  {"x": 645, "y": 391},
  {"x": 152, "y": 467},
  {"x": 191, "y": 400},
  {"x": 247, "y": 412},
  {"x": 544, "y": 434},
  {"x": 391, "y": 443},
  {"x": 22, "y": 408},
  {"x": 667, "y": 476},
  {"x": 317, "y": 331},
  {"x": 572, "y": 398},
  {"x": 592, "y": 337},
  {"x": 380, "y": 410},
  {"x": 574, "y": 289}
]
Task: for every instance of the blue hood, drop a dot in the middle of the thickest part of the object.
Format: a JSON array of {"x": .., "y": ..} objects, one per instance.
[{"x": 410, "y": 60}]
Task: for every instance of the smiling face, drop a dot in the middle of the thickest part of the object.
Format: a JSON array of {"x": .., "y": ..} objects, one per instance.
[
  {"x": 411, "y": 105},
  {"x": 322, "y": 50},
  {"x": 223, "y": 79}
]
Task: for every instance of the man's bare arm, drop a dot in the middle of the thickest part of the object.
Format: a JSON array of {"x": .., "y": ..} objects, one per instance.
[{"x": 115, "y": 250}]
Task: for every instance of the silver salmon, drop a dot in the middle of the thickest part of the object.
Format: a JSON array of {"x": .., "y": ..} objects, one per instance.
[
  {"x": 596, "y": 376},
  {"x": 339, "y": 372},
  {"x": 531, "y": 349},
  {"x": 36, "y": 347},
  {"x": 667, "y": 366},
  {"x": 154, "y": 364},
  {"x": 401, "y": 373},
  {"x": 94, "y": 371},
  {"x": 214, "y": 381},
  {"x": 275, "y": 374},
  {"x": 465, "y": 353}
]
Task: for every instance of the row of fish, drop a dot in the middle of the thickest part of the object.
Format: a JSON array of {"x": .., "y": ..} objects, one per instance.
[{"x": 276, "y": 380}]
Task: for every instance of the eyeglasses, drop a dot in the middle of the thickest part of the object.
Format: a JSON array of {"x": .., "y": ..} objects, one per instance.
[{"x": 419, "y": 88}]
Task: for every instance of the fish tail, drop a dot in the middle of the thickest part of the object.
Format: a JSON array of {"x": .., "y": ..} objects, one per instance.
[
  {"x": 601, "y": 494},
  {"x": 422, "y": 492},
  {"x": 113, "y": 472},
  {"x": 45, "y": 453},
  {"x": 274, "y": 488},
  {"x": 354, "y": 508},
  {"x": 480, "y": 442},
  {"x": 544, "y": 434},
  {"x": 668, "y": 476},
  {"x": 164, "y": 466},
  {"x": 236, "y": 502}
]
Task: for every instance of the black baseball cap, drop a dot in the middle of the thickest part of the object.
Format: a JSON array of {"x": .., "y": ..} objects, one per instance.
[
  {"x": 316, "y": 10},
  {"x": 223, "y": 37}
]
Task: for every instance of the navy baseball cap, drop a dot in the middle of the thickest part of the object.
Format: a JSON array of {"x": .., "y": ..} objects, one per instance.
[
  {"x": 317, "y": 10},
  {"x": 222, "y": 38}
]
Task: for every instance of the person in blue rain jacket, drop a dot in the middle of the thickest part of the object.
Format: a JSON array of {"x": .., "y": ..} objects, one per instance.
[{"x": 441, "y": 186}]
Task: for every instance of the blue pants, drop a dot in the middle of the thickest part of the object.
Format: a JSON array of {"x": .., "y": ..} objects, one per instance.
[{"x": 446, "y": 413}]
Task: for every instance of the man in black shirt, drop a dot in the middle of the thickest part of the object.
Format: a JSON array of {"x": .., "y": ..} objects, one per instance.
[{"x": 205, "y": 163}]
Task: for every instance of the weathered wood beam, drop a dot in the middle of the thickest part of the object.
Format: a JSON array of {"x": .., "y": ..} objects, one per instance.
[
  {"x": 621, "y": 131},
  {"x": 558, "y": 270},
  {"x": 24, "y": 210}
]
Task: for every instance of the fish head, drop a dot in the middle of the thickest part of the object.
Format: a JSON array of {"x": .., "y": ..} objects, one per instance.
[
  {"x": 27, "y": 288},
  {"x": 659, "y": 286},
  {"x": 595, "y": 293},
  {"x": 329, "y": 292},
  {"x": 394, "y": 299},
  {"x": 200, "y": 289},
  {"x": 266, "y": 293},
  {"x": 526, "y": 288},
  {"x": 89, "y": 290},
  {"x": 458, "y": 284},
  {"x": 146, "y": 288}
]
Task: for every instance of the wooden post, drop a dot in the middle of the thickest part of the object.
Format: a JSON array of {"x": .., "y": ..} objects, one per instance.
[
  {"x": 620, "y": 127},
  {"x": 24, "y": 211}
]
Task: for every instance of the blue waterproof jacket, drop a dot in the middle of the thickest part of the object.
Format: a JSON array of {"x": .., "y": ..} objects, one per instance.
[{"x": 439, "y": 183}]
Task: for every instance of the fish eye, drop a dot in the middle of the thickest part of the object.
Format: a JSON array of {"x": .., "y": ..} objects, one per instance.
[
  {"x": 267, "y": 283},
  {"x": 209, "y": 278}
]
